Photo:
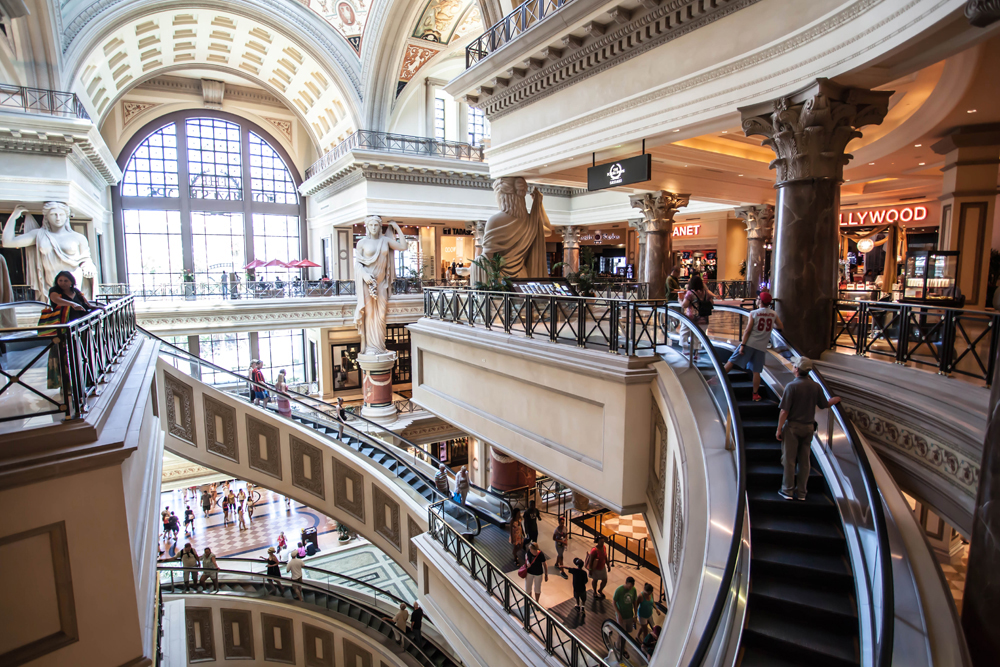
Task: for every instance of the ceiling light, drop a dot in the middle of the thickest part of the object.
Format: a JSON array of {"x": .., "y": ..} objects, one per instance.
[
  {"x": 922, "y": 163},
  {"x": 971, "y": 111},
  {"x": 725, "y": 131},
  {"x": 740, "y": 174},
  {"x": 871, "y": 164},
  {"x": 866, "y": 245},
  {"x": 917, "y": 145},
  {"x": 677, "y": 130}
]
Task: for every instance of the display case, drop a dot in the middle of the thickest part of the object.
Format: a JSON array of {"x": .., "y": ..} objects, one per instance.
[{"x": 931, "y": 277}]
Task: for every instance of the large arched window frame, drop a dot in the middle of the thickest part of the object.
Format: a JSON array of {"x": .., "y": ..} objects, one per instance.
[{"x": 228, "y": 197}]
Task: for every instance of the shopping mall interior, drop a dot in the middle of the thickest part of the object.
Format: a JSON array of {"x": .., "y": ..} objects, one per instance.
[{"x": 570, "y": 333}]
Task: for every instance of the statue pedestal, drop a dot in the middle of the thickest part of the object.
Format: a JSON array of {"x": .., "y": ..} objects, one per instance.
[{"x": 377, "y": 387}]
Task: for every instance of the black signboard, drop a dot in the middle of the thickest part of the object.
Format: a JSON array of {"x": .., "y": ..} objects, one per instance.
[{"x": 622, "y": 172}]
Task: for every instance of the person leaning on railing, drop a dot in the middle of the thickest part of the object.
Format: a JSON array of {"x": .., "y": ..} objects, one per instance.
[{"x": 64, "y": 294}]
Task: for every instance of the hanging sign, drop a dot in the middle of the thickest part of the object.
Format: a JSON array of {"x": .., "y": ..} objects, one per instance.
[{"x": 622, "y": 172}]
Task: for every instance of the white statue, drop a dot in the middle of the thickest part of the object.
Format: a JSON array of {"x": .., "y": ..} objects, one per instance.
[
  {"x": 373, "y": 275},
  {"x": 52, "y": 247},
  {"x": 519, "y": 236}
]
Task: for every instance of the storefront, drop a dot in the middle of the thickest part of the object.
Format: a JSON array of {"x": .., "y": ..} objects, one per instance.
[
  {"x": 612, "y": 247},
  {"x": 712, "y": 243}
]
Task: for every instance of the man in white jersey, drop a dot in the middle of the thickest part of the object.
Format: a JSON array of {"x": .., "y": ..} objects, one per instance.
[{"x": 750, "y": 354}]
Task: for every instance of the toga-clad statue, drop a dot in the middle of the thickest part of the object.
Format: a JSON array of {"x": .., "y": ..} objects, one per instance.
[
  {"x": 374, "y": 272},
  {"x": 517, "y": 234},
  {"x": 52, "y": 246}
]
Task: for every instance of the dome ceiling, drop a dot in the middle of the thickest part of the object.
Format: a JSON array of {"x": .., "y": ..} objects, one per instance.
[{"x": 348, "y": 17}]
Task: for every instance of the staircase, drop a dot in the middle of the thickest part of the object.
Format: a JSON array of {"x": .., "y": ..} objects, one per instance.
[
  {"x": 336, "y": 607},
  {"x": 802, "y": 608}
]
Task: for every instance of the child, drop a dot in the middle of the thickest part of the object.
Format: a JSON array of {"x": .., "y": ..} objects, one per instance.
[{"x": 580, "y": 578}]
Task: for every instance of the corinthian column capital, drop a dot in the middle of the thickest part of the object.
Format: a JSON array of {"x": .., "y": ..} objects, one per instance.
[
  {"x": 658, "y": 209},
  {"x": 982, "y": 13},
  {"x": 571, "y": 237},
  {"x": 809, "y": 130},
  {"x": 759, "y": 219}
]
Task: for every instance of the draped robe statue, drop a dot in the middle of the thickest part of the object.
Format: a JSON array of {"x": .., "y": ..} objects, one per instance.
[
  {"x": 52, "y": 247},
  {"x": 373, "y": 275},
  {"x": 517, "y": 234}
]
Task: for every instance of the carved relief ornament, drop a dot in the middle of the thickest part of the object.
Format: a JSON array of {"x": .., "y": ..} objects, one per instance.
[
  {"x": 658, "y": 208},
  {"x": 759, "y": 219}
]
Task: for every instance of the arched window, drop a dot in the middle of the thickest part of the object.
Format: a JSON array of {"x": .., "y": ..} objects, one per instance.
[{"x": 203, "y": 194}]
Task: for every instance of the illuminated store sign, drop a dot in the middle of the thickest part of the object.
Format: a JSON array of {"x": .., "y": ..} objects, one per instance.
[
  {"x": 884, "y": 216},
  {"x": 622, "y": 172},
  {"x": 600, "y": 238},
  {"x": 686, "y": 230}
]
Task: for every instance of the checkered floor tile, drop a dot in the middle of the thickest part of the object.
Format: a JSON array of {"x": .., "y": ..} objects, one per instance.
[{"x": 631, "y": 526}]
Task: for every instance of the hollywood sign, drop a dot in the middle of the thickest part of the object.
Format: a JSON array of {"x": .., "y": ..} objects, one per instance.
[
  {"x": 884, "y": 216},
  {"x": 686, "y": 230}
]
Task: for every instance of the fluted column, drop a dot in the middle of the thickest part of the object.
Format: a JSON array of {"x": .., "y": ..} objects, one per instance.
[
  {"x": 809, "y": 131},
  {"x": 571, "y": 249},
  {"x": 640, "y": 262},
  {"x": 658, "y": 209},
  {"x": 478, "y": 228},
  {"x": 760, "y": 227}
]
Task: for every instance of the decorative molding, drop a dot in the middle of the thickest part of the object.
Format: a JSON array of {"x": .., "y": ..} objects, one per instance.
[
  {"x": 656, "y": 477},
  {"x": 982, "y": 13},
  {"x": 179, "y": 424},
  {"x": 237, "y": 634},
  {"x": 658, "y": 208},
  {"x": 356, "y": 656},
  {"x": 132, "y": 110},
  {"x": 233, "y": 93},
  {"x": 387, "y": 526},
  {"x": 886, "y": 431},
  {"x": 285, "y": 629},
  {"x": 412, "y": 530},
  {"x": 310, "y": 635},
  {"x": 62, "y": 583},
  {"x": 676, "y": 524},
  {"x": 352, "y": 502},
  {"x": 257, "y": 429},
  {"x": 221, "y": 444},
  {"x": 415, "y": 57},
  {"x": 652, "y": 29},
  {"x": 49, "y": 136},
  {"x": 306, "y": 458},
  {"x": 202, "y": 617},
  {"x": 212, "y": 93},
  {"x": 759, "y": 219},
  {"x": 284, "y": 127}
]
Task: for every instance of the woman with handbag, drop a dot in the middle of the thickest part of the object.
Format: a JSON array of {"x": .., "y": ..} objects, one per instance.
[
  {"x": 534, "y": 570},
  {"x": 67, "y": 303}
]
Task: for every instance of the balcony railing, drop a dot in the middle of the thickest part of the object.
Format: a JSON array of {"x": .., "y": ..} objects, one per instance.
[
  {"x": 56, "y": 369},
  {"x": 524, "y": 17},
  {"x": 41, "y": 101},
  {"x": 398, "y": 143},
  {"x": 256, "y": 290}
]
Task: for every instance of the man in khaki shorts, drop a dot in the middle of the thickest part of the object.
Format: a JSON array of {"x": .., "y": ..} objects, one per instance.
[{"x": 597, "y": 565}]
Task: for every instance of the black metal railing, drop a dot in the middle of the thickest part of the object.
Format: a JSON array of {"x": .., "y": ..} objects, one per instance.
[
  {"x": 41, "y": 101},
  {"x": 952, "y": 340},
  {"x": 622, "y": 646},
  {"x": 621, "y": 290},
  {"x": 732, "y": 289},
  {"x": 398, "y": 143},
  {"x": 522, "y": 18},
  {"x": 622, "y": 549},
  {"x": 58, "y": 368},
  {"x": 269, "y": 289},
  {"x": 622, "y": 326},
  {"x": 535, "y": 619},
  {"x": 24, "y": 293}
]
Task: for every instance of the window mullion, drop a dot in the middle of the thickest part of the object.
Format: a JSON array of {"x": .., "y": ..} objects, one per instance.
[
  {"x": 247, "y": 197},
  {"x": 187, "y": 242}
]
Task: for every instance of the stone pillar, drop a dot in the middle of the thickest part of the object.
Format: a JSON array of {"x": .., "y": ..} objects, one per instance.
[
  {"x": 478, "y": 228},
  {"x": 571, "y": 249},
  {"x": 658, "y": 209},
  {"x": 968, "y": 203},
  {"x": 808, "y": 131},
  {"x": 508, "y": 473},
  {"x": 760, "y": 227},
  {"x": 377, "y": 386},
  {"x": 640, "y": 261},
  {"x": 981, "y": 603}
]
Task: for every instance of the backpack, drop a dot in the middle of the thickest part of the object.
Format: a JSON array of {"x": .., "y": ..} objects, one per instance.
[{"x": 704, "y": 306}]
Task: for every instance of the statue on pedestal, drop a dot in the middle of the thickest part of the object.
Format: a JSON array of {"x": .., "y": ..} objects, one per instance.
[
  {"x": 515, "y": 233},
  {"x": 52, "y": 246}
]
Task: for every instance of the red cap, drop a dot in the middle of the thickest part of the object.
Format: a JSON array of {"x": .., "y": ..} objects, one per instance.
[{"x": 765, "y": 298}]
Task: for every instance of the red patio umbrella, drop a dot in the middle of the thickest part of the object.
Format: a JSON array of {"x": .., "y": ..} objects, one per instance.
[
  {"x": 276, "y": 262},
  {"x": 255, "y": 264},
  {"x": 305, "y": 264}
]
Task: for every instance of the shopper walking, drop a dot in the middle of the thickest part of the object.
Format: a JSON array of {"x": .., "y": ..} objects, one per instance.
[
  {"x": 597, "y": 566},
  {"x": 580, "y": 578},
  {"x": 417, "y": 622},
  {"x": 535, "y": 560},
  {"x": 462, "y": 483},
  {"x": 282, "y": 542},
  {"x": 697, "y": 304},
  {"x": 189, "y": 559},
  {"x": 441, "y": 481},
  {"x": 206, "y": 504},
  {"x": 625, "y": 602},
  {"x": 214, "y": 492},
  {"x": 281, "y": 395},
  {"x": 241, "y": 518},
  {"x": 225, "y": 510},
  {"x": 224, "y": 282},
  {"x": 259, "y": 395},
  {"x": 188, "y": 521},
  {"x": 241, "y": 499},
  {"x": 798, "y": 412},
  {"x": 341, "y": 418},
  {"x": 752, "y": 350},
  {"x": 209, "y": 569},
  {"x": 273, "y": 572},
  {"x": 561, "y": 538},
  {"x": 531, "y": 517},
  {"x": 516, "y": 533},
  {"x": 294, "y": 569},
  {"x": 644, "y": 610},
  {"x": 175, "y": 525},
  {"x": 674, "y": 282}
]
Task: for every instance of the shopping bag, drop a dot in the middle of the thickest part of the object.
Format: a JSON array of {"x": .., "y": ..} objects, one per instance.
[{"x": 50, "y": 316}]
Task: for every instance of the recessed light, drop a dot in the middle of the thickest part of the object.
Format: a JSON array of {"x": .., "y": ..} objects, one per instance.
[
  {"x": 871, "y": 164},
  {"x": 847, "y": 180},
  {"x": 922, "y": 163},
  {"x": 917, "y": 145},
  {"x": 740, "y": 174},
  {"x": 677, "y": 130},
  {"x": 725, "y": 131},
  {"x": 971, "y": 111}
]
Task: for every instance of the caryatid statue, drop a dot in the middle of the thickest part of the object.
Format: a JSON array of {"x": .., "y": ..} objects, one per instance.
[
  {"x": 373, "y": 277},
  {"x": 52, "y": 246},
  {"x": 516, "y": 233}
]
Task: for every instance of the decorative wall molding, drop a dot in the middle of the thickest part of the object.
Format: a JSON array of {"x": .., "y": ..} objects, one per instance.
[
  {"x": 307, "y": 466},
  {"x": 656, "y": 479},
  {"x": 284, "y": 127},
  {"x": 349, "y": 490},
  {"x": 311, "y": 635},
  {"x": 283, "y": 627},
  {"x": 205, "y": 650},
  {"x": 412, "y": 530},
  {"x": 233, "y": 93},
  {"x": 386, "y": 517},
  {"x": 219, "y": 414},
  {"x": 676, "y": 524},
  {"x": 356, "y": 656},
  {"x": 53, "y": 135},
  {"x": 180, "y": 422},
  {"x": 237, "y": 634},
  {"x": 132, "y": 110},
  {"x": 259, "y": 432}
]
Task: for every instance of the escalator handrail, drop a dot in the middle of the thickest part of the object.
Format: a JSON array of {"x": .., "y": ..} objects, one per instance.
[
  {"x": 885, "y": 647},
  {"x": 264, "y": 578},
  {"x": 718, "y": 607},
  {"x": 369, "y": 440},
  {"x": 620, "y": 631}
]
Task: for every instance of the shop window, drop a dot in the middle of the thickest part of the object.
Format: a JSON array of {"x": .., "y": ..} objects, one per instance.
[
  {"x": 346, "y": 371},
  {"x": 479, "y": 127}
]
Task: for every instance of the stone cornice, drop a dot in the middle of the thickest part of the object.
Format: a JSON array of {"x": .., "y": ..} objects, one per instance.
[
  {"x": 234, "y": 93},
  {"x": 53, "y": 135},
  {"x": 641, "y": 34}
]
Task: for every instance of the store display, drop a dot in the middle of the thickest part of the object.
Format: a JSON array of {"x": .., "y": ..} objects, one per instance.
[
  {"x": 702, "y": 261},
  {"x": 931, "y": 278}
]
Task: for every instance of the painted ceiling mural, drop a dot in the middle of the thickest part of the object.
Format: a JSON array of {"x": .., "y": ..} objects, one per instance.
[
  {"x": 440, "y": 23},
  {"x": 346, "y": 16}
]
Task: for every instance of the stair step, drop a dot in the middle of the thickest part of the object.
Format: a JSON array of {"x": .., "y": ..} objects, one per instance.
[
  {"x": 757, "y": 656},
  {"x": 807, "y": 643},
  {"x": 816, "y": 505},
  {"x": 768, "y": 475},
  {"x": 804, "y": 532},
  {"x": 827, "y": 570},
  {"x": 800, "y": 600}
]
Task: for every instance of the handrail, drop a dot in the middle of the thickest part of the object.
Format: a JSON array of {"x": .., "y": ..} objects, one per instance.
[
  {"x": 266, "y": 579},
  {"x": 42, "y": 101},
  {"x": 369, "y": 440},
  {"x": 884, "y": 647},
  {"x": 397, "y": 143},
  {"x": 522, "y": 18},
  {"x": 578, "y": 655},
  {"x": 736, "y": 425},
  {"x": 251, "y": 290},
  {"x": 610, "y": 628}
]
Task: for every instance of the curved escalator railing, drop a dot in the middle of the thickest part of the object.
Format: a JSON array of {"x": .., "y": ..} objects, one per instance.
[{"x": 621, "y": 647}]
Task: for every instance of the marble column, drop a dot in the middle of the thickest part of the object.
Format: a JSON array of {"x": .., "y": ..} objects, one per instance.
[
  {"x": 571, "y": 249},
  {"x": 760, "y": 227},
  {"x": 507, "y": 473},
  {"x": 478, "y": 228},
  {"x": 809, "y": 131},
  {"x": 981, "y": 603},
  {"x": 640, "y": 261},
  {"x": 658, "y": 209},
  {"x": 377, "y": 386}
]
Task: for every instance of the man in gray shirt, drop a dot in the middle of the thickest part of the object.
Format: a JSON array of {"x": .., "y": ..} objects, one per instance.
[{"x": 795, "y": 428}]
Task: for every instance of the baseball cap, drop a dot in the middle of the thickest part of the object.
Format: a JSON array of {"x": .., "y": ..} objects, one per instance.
[
  {"x": 765, "y": 298},
  {"x": 804, "y": 364}
]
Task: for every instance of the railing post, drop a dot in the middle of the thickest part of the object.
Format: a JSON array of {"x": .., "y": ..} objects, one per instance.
[
  {"x": 991, "y": 363},
  {"x": 529, "y": 308},
  {"x": 581, "y": 323},
  {"x": 859, "y": 344},
  {"x": 903, "y": 335},
  {"x": 948, "y": 348},
  {"x": 553, "y": 320}
]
